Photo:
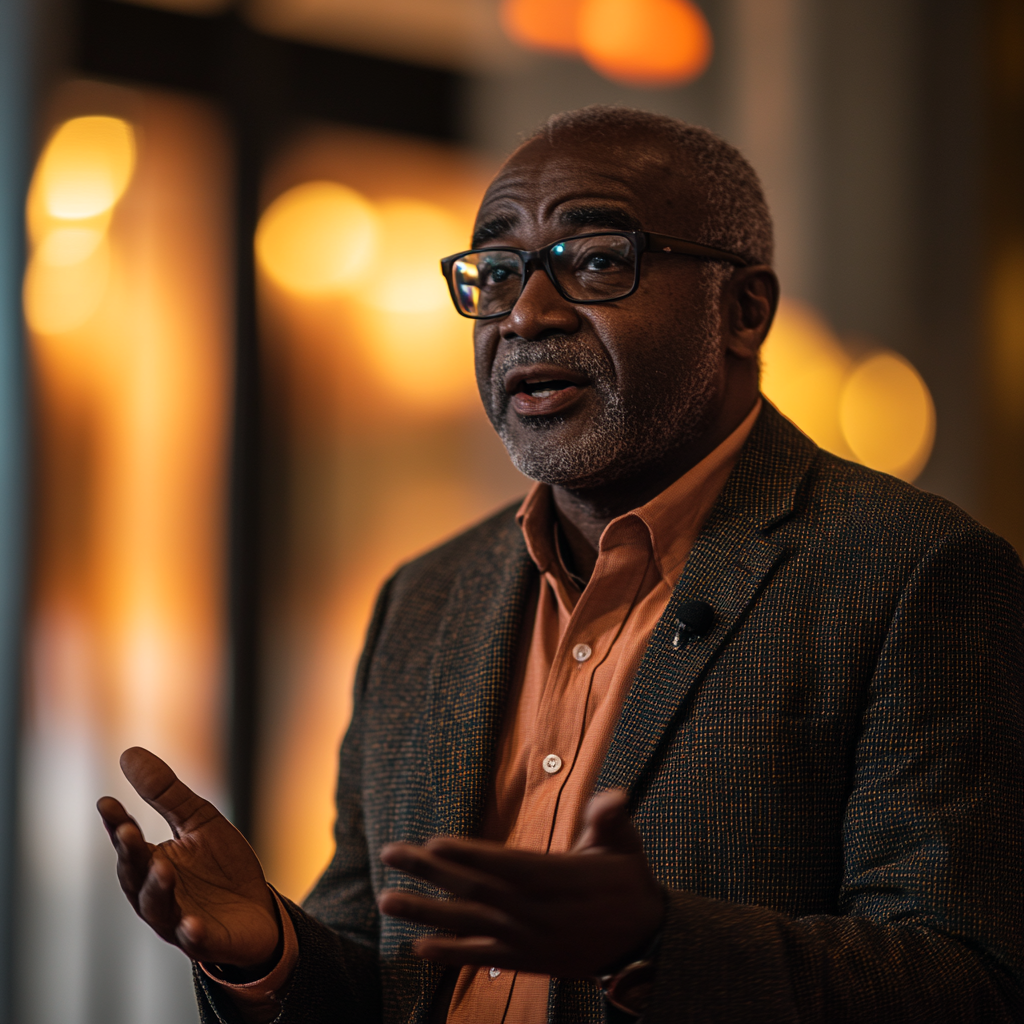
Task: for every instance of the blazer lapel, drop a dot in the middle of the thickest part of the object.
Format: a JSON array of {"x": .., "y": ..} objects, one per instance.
[
  {"x": 470, "y": 679},
  {"x": 727, "y": 568}
]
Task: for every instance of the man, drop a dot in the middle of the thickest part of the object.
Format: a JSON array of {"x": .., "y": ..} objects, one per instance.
[{"x": 793, "y": 684}]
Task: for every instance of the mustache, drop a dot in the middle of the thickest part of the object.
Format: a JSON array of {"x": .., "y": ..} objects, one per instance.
[{"x": 562, "y": 350}]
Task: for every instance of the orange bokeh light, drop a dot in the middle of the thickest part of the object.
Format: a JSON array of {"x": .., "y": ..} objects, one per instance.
[
  {"x": 645, "y": 43},
  {"x": 551, "y": 25}
]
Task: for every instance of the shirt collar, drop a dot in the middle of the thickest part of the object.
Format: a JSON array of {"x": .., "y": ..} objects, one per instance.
[{"x": 674, "y": 518}]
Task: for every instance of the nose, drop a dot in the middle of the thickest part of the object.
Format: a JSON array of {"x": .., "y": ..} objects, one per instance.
[{"x": 540, "y": 311}]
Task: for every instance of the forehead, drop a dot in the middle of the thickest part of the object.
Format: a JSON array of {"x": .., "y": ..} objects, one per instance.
[{"x": 545, "y": 187}]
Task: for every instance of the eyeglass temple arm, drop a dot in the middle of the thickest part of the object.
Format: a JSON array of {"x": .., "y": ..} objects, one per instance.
[{"x": 666, "y": 243}]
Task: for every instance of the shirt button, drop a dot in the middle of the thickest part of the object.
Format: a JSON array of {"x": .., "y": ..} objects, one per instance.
[
  {"x": 494, "y": 972},
  {"x": 552, "y": 763},
  {"x": 581, "y": 652}
]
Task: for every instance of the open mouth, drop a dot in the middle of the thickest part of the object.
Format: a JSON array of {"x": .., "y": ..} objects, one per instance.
[{"x": 544, "y": 388}]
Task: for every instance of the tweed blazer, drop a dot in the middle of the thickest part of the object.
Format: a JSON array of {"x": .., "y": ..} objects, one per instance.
[{"x": 828, "y": 784}]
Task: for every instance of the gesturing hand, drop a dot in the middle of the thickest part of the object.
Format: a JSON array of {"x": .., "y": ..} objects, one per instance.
[
  {"x": 203, "y": 890},
  {"x": 569, "y": 915}
]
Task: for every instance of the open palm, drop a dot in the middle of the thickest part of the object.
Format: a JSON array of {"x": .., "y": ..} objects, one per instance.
[{"x": 203, "y": 890}]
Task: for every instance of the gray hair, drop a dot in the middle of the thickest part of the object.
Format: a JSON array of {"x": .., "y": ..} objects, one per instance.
[{"x": 738, "y": 217}]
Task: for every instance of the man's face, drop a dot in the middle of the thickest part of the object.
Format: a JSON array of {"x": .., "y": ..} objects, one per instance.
[{"x": 585, "y": 395}]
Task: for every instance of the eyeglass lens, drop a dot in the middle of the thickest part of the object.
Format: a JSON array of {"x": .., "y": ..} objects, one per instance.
[{"x": 597, "y": 267}]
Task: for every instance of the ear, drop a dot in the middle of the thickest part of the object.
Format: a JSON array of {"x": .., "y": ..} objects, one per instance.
[{"x": 749, "y": 301}]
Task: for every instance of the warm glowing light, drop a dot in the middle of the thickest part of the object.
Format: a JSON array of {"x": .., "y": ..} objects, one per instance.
[
  {"x": 316, "y": 238},
  {"x": 887, "y": 415},
  {"x": 404, "y": 276},
  {"x": 645, "y": 43},
  {"x": 65, "y": 281},
  {"x": 86, "y": 167},
  {"x": 803, "y": 367},
  {"x": 64, "y": 247},
  {"x": 551, "y": 25}
]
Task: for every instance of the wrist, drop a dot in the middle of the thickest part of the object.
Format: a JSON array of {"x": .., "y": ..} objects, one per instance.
[
  {"x": 627, "y": 984},
  {"x": 235, "y": 974}
]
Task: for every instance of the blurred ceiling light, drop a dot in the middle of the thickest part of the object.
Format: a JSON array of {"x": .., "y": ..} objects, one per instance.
[
  {"x": 803, "y": 367},
  {"x": 887, "y": 415},
  {"x": 63, "y": 289},
  {"x": 86, "y": 167},
  {"x": 316, "y": 238},
  {"x": 645, "y": 43},
  {"x": 642, "y": 43},
  {"x": 550, "y": 25},
  {"x": 404, "y": 275}
]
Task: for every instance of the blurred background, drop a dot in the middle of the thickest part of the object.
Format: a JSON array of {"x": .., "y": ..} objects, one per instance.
[{"x": 234, "y": 396}]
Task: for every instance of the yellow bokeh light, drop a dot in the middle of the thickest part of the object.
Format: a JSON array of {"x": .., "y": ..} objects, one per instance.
[
  {"x": 63, "y": 247},
  {"x": 413, "y": 236},
  {"x": 424, "y": 360},
  {"x": 887, "y": 415},
  {"x": 645, "y": 43},
  {"x": 803, "y": 367},
  {"x": 550, "y": 25},
  {"x": 316, "y": 238},
  {"x": 85, "y": 167},
  {"x": 61, "y": 293}
]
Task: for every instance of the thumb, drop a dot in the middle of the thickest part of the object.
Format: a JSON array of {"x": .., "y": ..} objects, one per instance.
[
  {"x": 607, "y": 826},
  {"x": 154, "y": 781}
]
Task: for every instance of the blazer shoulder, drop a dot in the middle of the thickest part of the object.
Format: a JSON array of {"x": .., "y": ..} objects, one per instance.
[
  {"x": 486, "y": 545},
  {"x": 868, "y": 506}
]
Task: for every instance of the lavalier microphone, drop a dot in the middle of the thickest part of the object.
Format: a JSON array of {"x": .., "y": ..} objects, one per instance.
[{"x": 693, "y": 619}]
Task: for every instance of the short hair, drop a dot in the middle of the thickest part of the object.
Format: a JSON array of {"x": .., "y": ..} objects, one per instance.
[{"x": 738, "y": 217}]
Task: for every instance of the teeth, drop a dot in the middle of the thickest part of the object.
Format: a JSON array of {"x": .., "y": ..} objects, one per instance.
[{"x": 543, "y": 394}]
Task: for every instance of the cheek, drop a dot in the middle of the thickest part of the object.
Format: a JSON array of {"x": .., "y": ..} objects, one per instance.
[{"x": 485, "y": 342}]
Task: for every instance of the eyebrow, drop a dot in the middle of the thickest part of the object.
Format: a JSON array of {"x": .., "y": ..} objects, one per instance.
[
  {"x": 599, "y": 217},
  {"x": 575, "y": 217},
  {"x": 491, "y": 229}
]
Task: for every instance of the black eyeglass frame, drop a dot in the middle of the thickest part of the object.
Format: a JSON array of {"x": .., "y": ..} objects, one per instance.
[{"x": 643, "y": 241}]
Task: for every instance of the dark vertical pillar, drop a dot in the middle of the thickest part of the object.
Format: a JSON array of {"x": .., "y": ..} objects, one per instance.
[
  {"x": 15, "y": 89},
  {"x": 255, "y": 106}
]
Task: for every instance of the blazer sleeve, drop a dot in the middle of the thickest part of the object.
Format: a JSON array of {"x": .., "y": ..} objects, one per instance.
[
  {"x": 931, "y": 906},
  {"x": 337, "y": 976}
]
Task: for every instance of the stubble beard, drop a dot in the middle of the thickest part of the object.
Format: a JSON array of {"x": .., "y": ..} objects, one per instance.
[{"x": 629, "y": 431}]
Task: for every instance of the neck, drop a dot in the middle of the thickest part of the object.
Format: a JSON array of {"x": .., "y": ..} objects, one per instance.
[{"x": 584, "y": 513}]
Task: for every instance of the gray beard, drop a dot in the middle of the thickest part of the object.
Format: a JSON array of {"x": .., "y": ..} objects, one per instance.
[{"x": 629, "y": 432}]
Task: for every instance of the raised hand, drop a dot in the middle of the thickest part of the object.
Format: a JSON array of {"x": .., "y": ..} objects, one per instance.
[
  {"x": 575, "y": 914},
  {"x": 203, "y": 890}
]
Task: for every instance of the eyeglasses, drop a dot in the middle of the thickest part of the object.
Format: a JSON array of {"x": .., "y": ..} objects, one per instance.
[{"x": 597, "y": 267}]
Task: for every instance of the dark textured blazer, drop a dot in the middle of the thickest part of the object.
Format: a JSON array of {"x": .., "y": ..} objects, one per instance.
[{"x": 829, "y": 783}]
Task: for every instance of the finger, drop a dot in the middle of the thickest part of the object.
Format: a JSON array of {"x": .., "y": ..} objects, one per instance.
[
  {"x": 154, "y": 781},
  {"x": 158, "y": 906},
  {"x": 464, "y": 882},
  {"x": 134, "y": 858},
  {"x": 516, "y": 868},
  {"x": 607, "y": 826},
  {"x": 113, "y": 814},
  {"x": 459, "y": 917},
  {"x": 475, "y": 951}
]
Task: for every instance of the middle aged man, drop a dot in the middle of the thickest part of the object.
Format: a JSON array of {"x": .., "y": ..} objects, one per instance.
[{"x": 795, "y": 685}]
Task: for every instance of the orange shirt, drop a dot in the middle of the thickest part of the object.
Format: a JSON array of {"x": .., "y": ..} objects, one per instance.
[
  {"x": 576, "y": 667},
  {"x": 577, "y": 663}
]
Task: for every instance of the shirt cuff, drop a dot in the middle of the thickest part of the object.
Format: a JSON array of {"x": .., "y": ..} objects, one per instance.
[{"x": 264, "y": 993}]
